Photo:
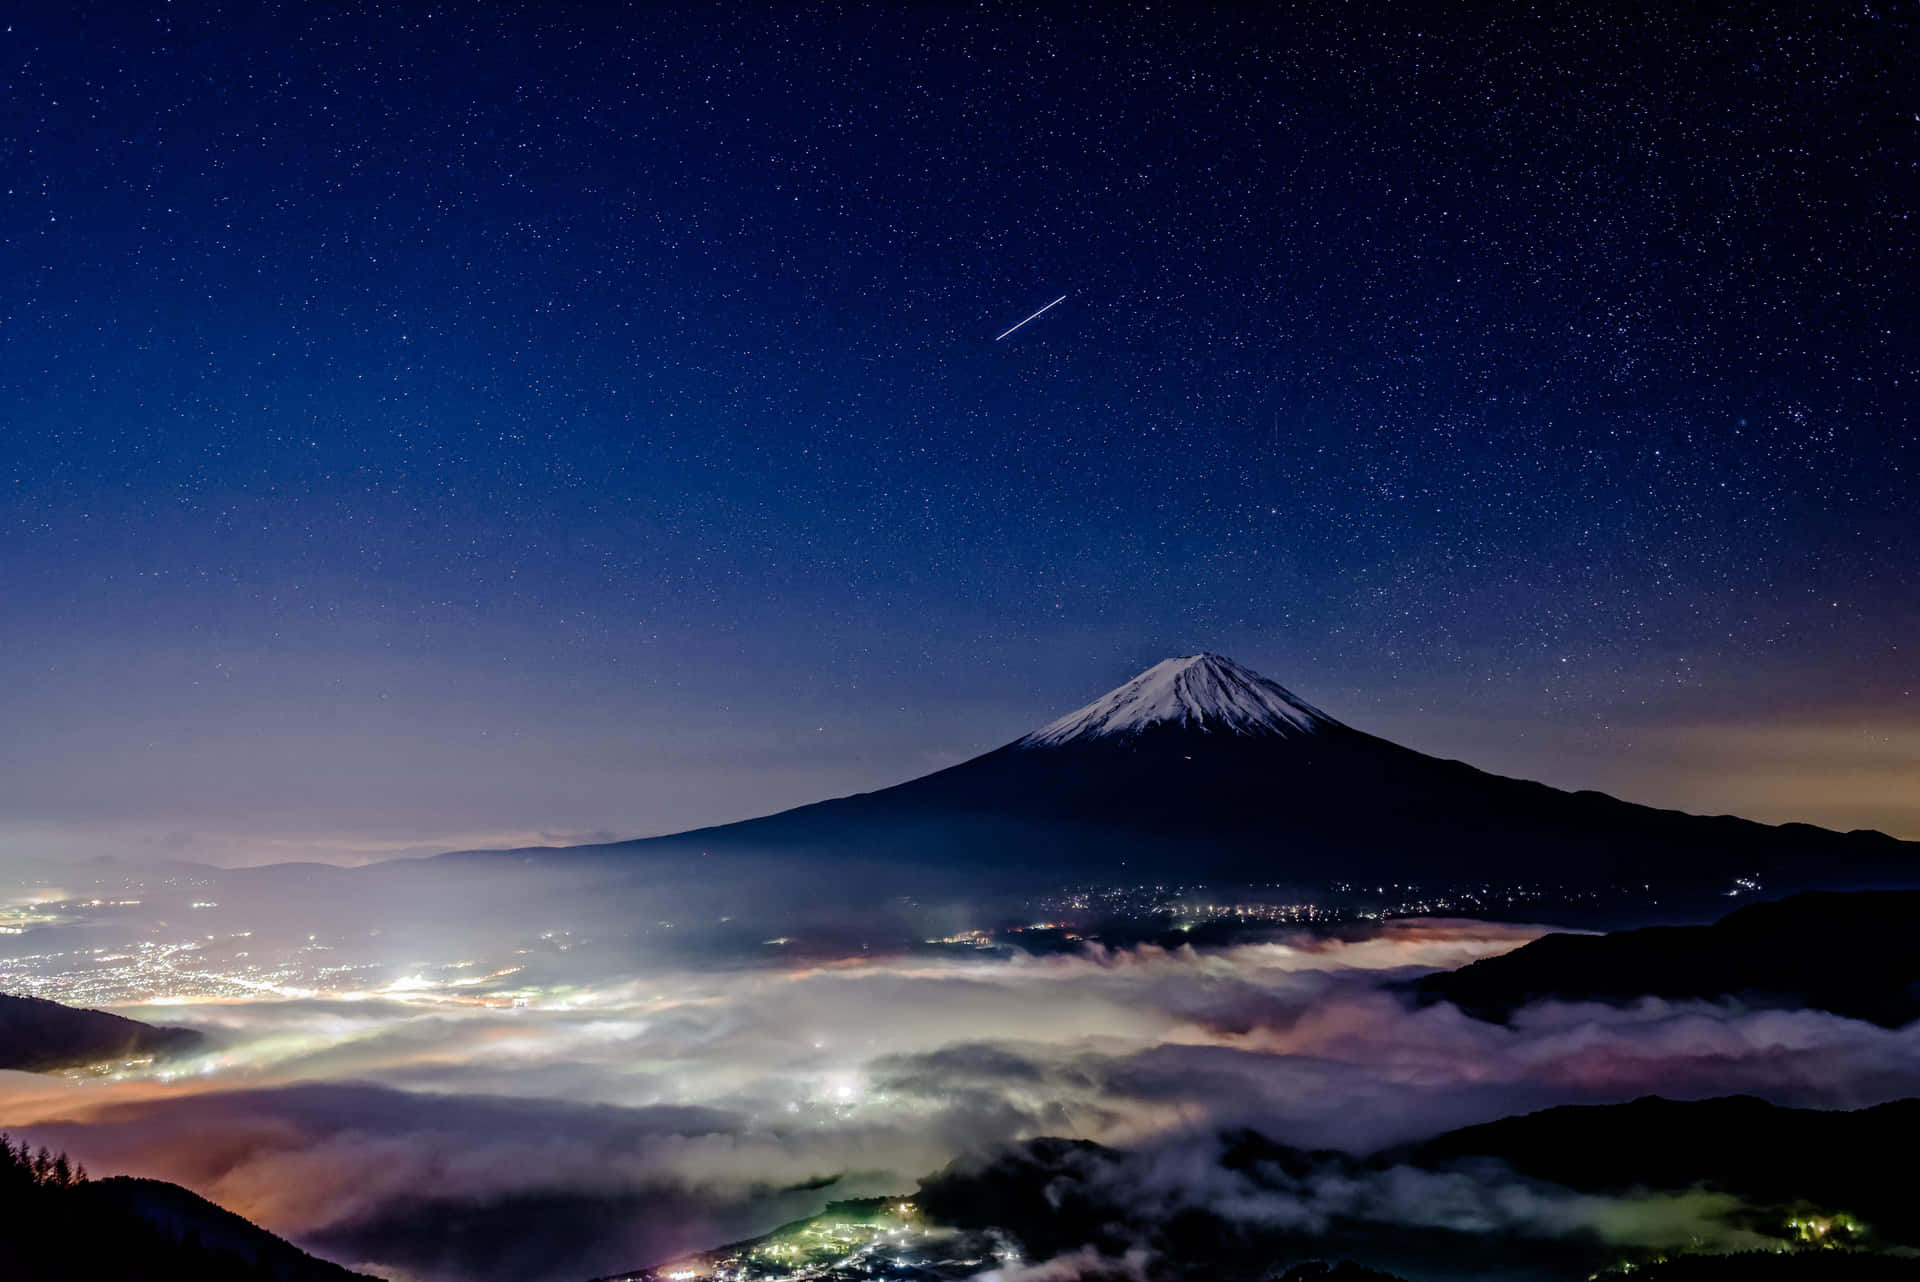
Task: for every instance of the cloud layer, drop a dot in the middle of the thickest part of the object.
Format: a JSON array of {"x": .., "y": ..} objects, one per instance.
[{"x": 621, "y": 1122}]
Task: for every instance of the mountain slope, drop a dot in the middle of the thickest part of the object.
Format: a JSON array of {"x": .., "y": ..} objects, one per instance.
[
  {"x": 1202, "y": 693},
  {"x": 1201, "y": 768},
  {"x": 1781, "y": 1177},
  {"x": 1854, "y": 1161},
  {"x": 1856, "y": 955},
  {"x": 180, "y": 1215},
  {"x": 1773, "y": 1266},
  {"x": 55, "y": 1227},
  {"x": 39, "y": 1036}
]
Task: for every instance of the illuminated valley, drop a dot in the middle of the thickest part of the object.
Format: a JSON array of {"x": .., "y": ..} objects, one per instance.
[{"x": 848, "y": 1242}]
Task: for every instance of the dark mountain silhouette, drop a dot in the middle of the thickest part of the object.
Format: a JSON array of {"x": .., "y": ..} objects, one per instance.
[
  {"x": 1855, "y": 1161},
  {"x": 1768, "y": 1266},
  {"x": 1736, "y": 1266},
  {"x": 1827, "y": 1177},
  {"x": 39, "y": 1036},
  {"x": 56, "y": 1225},
  {"x": 1854, "y": 954},
  {"x": 1059, "y": 1197},
  {"x": 1203, "y": 769},
  {"x": 1334, "y": 1271}
]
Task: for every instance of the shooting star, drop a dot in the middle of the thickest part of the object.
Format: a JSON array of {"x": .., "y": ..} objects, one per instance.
[{"x": 1049, "y": 307}]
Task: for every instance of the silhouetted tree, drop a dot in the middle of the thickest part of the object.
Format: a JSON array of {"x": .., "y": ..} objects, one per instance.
[{"x": 56, "y": 1225}]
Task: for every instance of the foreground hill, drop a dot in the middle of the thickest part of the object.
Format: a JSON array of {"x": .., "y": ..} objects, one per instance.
[
  {"x": 1855, "y": 1162},
  {"x": 1203, "y": 769},
  {"x": 58, "y": 1226},
  {"x": 1737, "y": 1266},
  {"x": 1447, "y": 1208},
  {"x": 40, "y": 1036},
  {"x": 1766, "y": 1266},
  {"x": 1855, "y": 954}
]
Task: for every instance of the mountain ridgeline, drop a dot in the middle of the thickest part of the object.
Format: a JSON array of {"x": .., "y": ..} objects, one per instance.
[
  {"x": 56, "y": 1225},
  {"x": 1202, "y": 769},
  {"x": 40, "y": 1036},
  {"x": 1778, "y": 1178},
  {"x": 1851, "y": 954}
]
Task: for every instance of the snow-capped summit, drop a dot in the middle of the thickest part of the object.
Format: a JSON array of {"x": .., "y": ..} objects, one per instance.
[{"x": 1204, "y": 692}]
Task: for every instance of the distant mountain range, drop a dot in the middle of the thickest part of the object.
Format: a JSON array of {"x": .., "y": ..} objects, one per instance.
[
  {"x": 1856, "y": 955},
  {"x": 1200, "y": 769},
  {"x": 40, "y": 1036}
]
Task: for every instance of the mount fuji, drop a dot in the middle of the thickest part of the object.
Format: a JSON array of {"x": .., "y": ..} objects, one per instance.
[{"x": 1199, "y": 768}]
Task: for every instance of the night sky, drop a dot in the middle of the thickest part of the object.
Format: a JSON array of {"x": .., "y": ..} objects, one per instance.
[{"x": 426, "y": 427}]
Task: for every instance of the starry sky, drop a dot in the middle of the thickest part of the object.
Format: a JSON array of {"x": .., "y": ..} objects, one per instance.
[{"x": 431, "y": 426}]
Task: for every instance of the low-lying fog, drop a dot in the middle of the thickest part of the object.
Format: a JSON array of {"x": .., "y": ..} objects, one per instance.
[{"x": 514, "y": 1096}]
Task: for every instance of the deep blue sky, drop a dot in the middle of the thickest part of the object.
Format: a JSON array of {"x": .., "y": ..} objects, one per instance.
[{"x": 430, "y": 426}]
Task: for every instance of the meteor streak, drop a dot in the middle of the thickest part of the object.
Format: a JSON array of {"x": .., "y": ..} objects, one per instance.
[{"x": 1055, "y": 303}]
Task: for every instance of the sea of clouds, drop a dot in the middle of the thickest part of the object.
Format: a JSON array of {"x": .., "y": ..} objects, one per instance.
[{"x": 629, "y": 1119}]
